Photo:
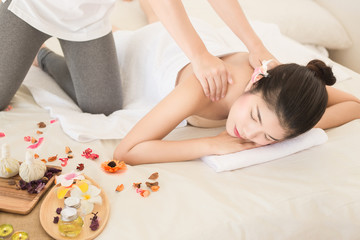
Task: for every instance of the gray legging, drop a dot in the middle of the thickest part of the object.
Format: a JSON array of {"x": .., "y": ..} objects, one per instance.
[{"x": 89, "y": 74}]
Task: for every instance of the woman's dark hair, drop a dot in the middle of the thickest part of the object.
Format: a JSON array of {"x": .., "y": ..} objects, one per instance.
[{"x": 297, "y": 94}]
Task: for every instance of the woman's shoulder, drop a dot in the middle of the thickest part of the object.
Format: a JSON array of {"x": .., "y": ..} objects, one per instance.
[
  {"x": 239, "y": 67},
  {"x": 238, "y": 58}
]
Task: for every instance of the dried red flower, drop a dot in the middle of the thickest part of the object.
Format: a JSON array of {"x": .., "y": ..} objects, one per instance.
[
  {"x": 80, "y": 167},
  {"x": 56, "y": 220},
  {"x": 94, "y": 225},
  {"x": 88, "y": 154},
  {"x": 58, "y": 210}
]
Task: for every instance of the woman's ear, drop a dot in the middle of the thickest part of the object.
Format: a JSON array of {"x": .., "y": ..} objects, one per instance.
[
  {"x": 259, "y": 73},
  {"x": 253, "y": 80}
]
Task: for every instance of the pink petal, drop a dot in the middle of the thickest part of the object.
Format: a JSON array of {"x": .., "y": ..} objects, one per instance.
[
  {"x": 52, "y": 121},
  {"x": 70, "y": 176},
  {"x": 9, "y": 107},
  {"x": 27, "y": 138},
  {"x": 36, "y": 144},
  {"x": 2, "y": 134},
  {"x": 64, "y": 162}
]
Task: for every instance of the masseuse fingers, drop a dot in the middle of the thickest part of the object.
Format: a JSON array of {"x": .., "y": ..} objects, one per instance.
[
  {"x": 218, "y": 87},
  {"x": 224, "y": 80},
  {"x": 212, "y": 88},
  {"x": 205, "y": 85}
]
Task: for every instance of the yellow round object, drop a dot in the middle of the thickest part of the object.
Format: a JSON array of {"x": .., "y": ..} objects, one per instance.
[
  {"x": 20, "y": 235},
  {"x": 6, "y": 230}
]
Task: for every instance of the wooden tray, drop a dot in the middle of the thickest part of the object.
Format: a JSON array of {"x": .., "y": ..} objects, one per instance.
[
  {"x": 51, "y": 203},
  {"x": 20, "y": 201}
]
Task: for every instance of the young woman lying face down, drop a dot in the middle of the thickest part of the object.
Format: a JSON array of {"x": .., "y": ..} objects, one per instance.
[{"x": 291, "y": 100}]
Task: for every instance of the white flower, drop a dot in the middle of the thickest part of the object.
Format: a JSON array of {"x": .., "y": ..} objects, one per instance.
[
  {"x": 89, "y": 195},
  {"x": 67, "y": 179}
]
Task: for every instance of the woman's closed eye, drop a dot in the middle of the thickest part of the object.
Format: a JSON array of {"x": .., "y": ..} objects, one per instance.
[{"x": 266, "y": 137}]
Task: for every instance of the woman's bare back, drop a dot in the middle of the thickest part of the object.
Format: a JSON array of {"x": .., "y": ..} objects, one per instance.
[{"x": 216, "y": 113}]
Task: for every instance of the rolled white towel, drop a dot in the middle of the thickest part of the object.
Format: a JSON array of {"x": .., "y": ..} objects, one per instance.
[{"x": 226, "y": 162}]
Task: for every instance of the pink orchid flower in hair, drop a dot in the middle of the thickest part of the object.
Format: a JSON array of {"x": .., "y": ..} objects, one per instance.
[{"x": 258, "y": 73}]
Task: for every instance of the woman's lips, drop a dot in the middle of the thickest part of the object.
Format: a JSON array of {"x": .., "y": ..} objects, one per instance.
[{"x": 237, "y": 133}]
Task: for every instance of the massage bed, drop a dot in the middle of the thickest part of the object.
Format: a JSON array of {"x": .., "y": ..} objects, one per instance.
[{"x": 310, "y": 194}]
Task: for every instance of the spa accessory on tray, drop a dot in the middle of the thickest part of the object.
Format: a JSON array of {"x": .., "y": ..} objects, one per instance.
[
  {"x": 9, "y": 166},
  {"x": 32, "y": 169}
]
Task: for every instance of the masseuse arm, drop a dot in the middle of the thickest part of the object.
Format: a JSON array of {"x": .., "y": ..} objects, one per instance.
[
  {"x": 342, "y": 108},
  {"x": 144, "y": 144},
  {"x": 210, "y": 70},
  {"x": 232, "y": 14}
]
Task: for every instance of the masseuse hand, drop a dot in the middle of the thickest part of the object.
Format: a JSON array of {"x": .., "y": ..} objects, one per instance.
[
  {"x": 225, "y": 144},
  {"x": 213, "y": 75},
  {"x": 260, "y": 54}
]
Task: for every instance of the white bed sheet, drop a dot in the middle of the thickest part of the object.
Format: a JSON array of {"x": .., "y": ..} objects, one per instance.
[{"x": 313, "y": 194}]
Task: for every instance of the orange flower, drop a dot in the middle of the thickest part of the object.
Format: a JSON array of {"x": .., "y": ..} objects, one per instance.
[
  {"x": 67, "y": 150},
  {"x": 145, "y": 193},
  {"x": 119, "y": 188},
  {"x": 53, "y": 158},
  {"x": 113, "y": 166},
  {"x": 33, "y": 140},
  {"x": 155, "y": 188}
]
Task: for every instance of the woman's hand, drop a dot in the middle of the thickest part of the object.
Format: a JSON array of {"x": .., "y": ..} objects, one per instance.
[
  {"x": 260, "y": 54},
  {"x": 213, "y": 75},
  {"x": 225, "y": 144}
]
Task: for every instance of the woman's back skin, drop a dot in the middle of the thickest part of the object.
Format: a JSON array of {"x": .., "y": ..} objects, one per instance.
[{"x": 241, "y": 70}]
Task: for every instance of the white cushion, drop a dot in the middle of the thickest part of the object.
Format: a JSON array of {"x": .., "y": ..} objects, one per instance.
[{"x": 303, "y": 20}]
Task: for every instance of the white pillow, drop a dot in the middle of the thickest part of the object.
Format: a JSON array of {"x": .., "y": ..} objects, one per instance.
[{"x": 303, "y": 20}]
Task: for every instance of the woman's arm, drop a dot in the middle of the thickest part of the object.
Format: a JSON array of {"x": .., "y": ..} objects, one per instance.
[
  {"x": 232, "y": 14},
  {"x": 210, "y": 70},
  {"x": 342, "y": 108},
  {"x": 144, "y": 144}
]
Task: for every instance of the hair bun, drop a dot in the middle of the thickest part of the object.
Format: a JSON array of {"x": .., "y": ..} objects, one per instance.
[{"x": 322, "y": 71}]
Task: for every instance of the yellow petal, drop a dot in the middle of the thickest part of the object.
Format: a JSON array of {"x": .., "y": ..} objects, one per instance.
[
  {"x": 61, "y": 192},
  {"x": 83, "y": 186}
]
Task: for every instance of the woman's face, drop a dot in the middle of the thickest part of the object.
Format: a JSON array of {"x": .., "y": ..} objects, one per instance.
[{"x": 251, "y": 120}]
